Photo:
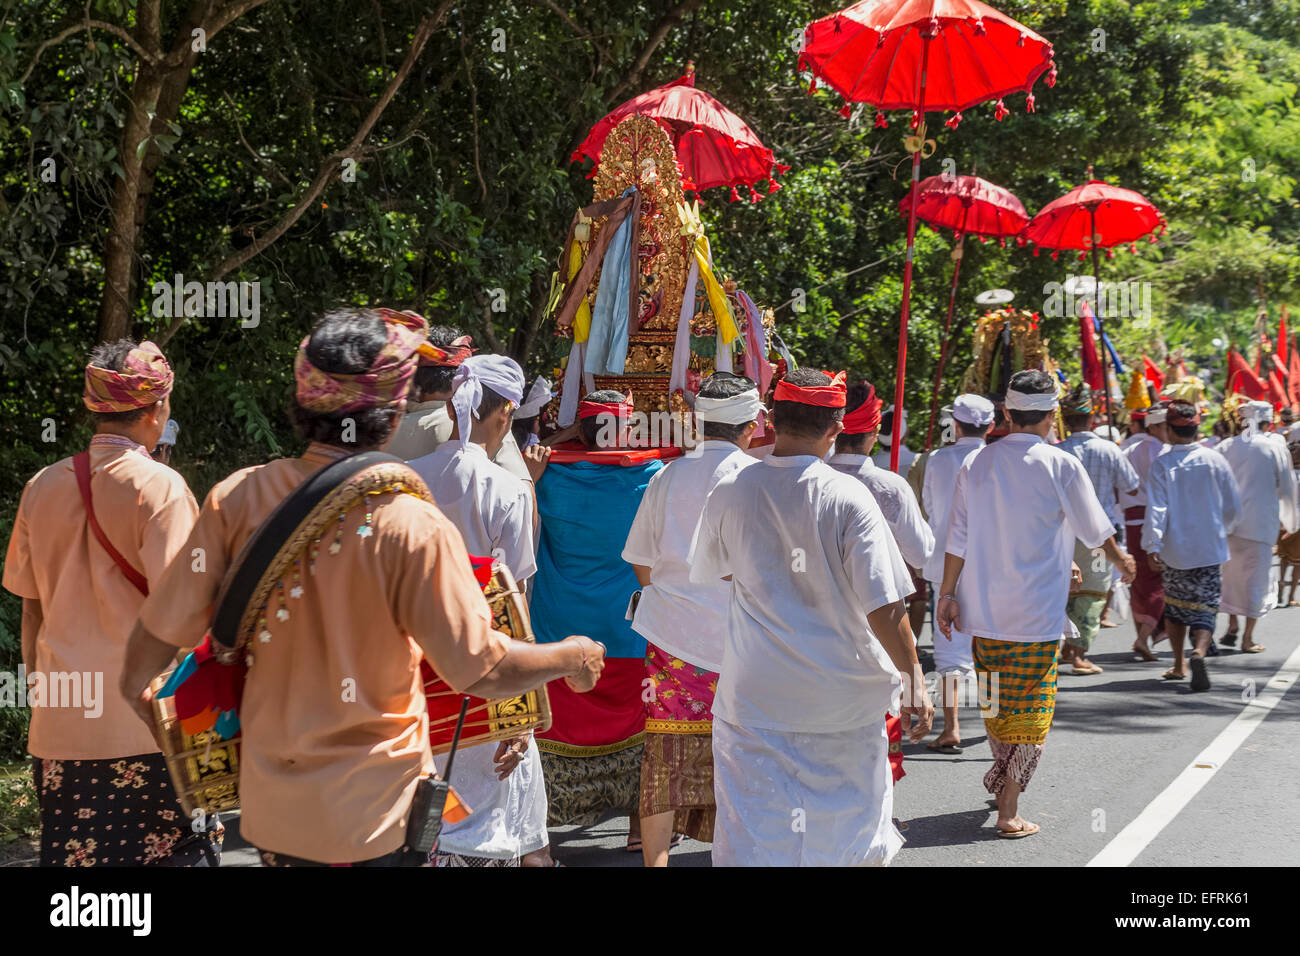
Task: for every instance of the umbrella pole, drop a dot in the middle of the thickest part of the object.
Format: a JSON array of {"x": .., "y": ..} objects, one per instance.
[
  {"x": 895, "y": 439},
  {"x": 1101, "y": 321},
  {"x": 947, "y": 340}
]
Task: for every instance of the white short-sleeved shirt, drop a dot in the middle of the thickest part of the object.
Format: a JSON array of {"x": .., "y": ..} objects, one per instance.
[
  {"x": 936, "y": 496},
  {"x": 1262, "y": 466},
  {"x": 1192, "y": 505},
  {"x": 897, "y": 503},
  {"x": 1017, "y": 508},
  {"x": 810, "y": 556},
  {"x": 686, "y": 619},
  {"x": 492, "y": 509}
]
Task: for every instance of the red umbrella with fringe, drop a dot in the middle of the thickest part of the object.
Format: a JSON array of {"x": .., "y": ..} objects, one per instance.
[
  {"x": 1093, "y": 217},
  {"x": 923, "y": 55},
  {"x": 971, "y": 206},
  {"x": 714, "y": 146}
]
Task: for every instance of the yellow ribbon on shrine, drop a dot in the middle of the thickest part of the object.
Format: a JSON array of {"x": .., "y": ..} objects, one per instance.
[
  {"x": 582, "y": 318},
  {"x": 718, "y": 303}
]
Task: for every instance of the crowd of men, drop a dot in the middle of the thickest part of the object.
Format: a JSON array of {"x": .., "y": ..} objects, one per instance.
[{"x": 776, "y": 576}]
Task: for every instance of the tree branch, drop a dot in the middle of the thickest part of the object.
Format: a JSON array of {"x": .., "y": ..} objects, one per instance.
[
  {"x": 657, "y": 36},
  {"x": 573, "y": 25},
  {"x": 330, "y": 167},
  {"x": 145, "y": 55}
]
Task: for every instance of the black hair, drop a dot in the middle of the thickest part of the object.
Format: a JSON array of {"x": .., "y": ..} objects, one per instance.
[
  {"x": 437, "y": 378},
  {"x": 856, "y": 444},
  {"x": 490, "y": 402},
  {"x": 1030, "y": 382},
  {"x": 967, "y": 430},
  {"x": 589, "y": 428},
  {"x": 805, "y": 421},
  {"x": 346, "y": 341},
  {"x": 1077, "y": 421},
  {"x": 724, "y": 385},
  {"x": 112, "y": 355},
  {"x": 1183, "y": 410}
]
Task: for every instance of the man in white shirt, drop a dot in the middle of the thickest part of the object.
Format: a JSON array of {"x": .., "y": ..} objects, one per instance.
[
  {"x": 815, "y": 646},
  {"x": 1018, "y": 507},
  {"x": 684, "y": 623},
  {"x": 1111, "y": 475},
  {"x": 1192, "y": 505},
  {"x": 1262, "y": 467},
  {"x": 973, "y": 417},
  {"x": 426, "y": 423},
  {"x": 493, "y": 511},
  {"x": 902, "y": 512},
  {"x": 1147, "y": 594}
]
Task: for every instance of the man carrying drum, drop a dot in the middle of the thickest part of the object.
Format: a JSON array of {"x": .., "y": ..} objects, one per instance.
[{"x": 335, "y": 730}]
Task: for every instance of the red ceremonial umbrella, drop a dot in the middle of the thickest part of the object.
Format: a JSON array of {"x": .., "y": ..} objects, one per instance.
[
  {"x": 967, "y": 205},
  {"x": 1095, "y": 216},
  {"x": 714, "y": 146},
  {"x": 923, "y": 55}
]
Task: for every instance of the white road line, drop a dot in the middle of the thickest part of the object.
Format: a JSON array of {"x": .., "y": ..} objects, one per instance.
[{"x": 1135, "y": 837}]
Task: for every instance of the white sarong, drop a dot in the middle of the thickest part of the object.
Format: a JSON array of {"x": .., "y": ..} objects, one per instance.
[
  {"x": 793, "y": 799},
  {"x": 509, "y": 818},
  {"x": 1249, "y": 583}
]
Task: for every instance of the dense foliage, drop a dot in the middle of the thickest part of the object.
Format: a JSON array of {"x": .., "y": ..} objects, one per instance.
[{"x": 463, "y": 187}]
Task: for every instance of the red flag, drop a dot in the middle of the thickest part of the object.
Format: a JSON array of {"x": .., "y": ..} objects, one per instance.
[
  {"x": 1242, "y": 379},
  {"x": 1091, "y": 363},
  {"x": 1281, "y": 340},
  {"x": 1276, "y": 391},
  {"x": 1293, "y": 380},
  {"x": 1153, "y": 373}
]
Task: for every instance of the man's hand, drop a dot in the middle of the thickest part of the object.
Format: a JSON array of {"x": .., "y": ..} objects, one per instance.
[
  {"x": 536, "y": 458},
  {"x": 948, "y": 614},
  {"x": 1076, "y": 577},
  {"x": 1128, "y": 569},
  {"x": 1154, "y": 563},
  {"x": 509, "y": 755},
  {"x": 594, "y": 663},
  {"x": 917, "y": 710}
]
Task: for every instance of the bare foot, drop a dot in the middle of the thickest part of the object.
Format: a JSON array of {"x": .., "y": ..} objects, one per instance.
[{"x": 1144, "y": 652}]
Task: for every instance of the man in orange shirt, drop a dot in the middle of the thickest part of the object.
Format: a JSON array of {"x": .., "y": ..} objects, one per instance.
[
  {"x": 105, "y": 794},
  {"x": 335, "y": 728}
]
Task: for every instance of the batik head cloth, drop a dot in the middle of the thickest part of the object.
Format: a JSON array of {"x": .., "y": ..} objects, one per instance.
[
  {"x": 866, "y": 417},
  {"x": 383, "y": 385},
  {"x": 451, "y": 356},
  {"x": 145, "y": 378},
  {"x": 1177, "y": 418},
  {"x": 497, "y": 372},
  {"x": 832, "y": 395},
  {"x": 621, "y": 409}
]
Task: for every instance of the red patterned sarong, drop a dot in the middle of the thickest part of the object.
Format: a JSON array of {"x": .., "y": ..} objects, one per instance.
[{"x": 1147, "y": 593}]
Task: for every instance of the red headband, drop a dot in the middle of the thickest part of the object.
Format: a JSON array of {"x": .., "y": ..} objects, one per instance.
[
  {"x": 450, "y": 356},
  {"x": 824, "y": 396},
  {"x": 866, "y": 417},
  {"x": 592, "y": 409}
]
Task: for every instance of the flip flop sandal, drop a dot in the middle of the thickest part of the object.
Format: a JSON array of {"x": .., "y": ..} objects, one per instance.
[
  {"x": 1018, "y": 834},
  {"x": 1089, "y": 669},
  {"x": 1171, "y": 675},
  {"x": 1148, "y": 657},
  {"x": 1254, "y": 649},
  {"x": 1200, "y": 674},
  {"x": 678, "y": 839},
  {"x": 951, "y": 749}
]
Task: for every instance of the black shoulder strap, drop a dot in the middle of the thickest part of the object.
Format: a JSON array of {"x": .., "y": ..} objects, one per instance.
[{"x": 263, "y": 545}]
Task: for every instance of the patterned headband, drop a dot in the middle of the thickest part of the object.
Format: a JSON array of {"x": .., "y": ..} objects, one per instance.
[
  {"x": 145, "y": 378},
  {"x": 383, "y": 385}
]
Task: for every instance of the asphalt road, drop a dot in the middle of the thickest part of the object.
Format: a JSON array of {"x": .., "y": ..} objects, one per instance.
[{"x": 1119, "y": 740}]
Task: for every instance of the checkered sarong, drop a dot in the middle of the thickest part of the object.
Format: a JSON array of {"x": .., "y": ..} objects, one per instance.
[{"x": 1018, "y": 681}]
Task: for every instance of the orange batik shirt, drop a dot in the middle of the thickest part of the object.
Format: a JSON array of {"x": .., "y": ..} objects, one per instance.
[
  {"x": 335, "y": 730},
  {"x": 89, "y": 607}
]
